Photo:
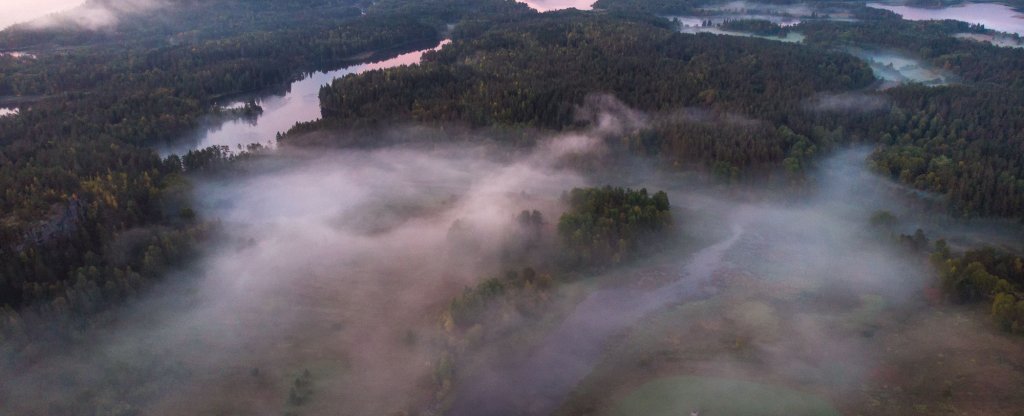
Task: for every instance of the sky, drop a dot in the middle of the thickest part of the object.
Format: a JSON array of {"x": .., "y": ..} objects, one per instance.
[{"x": 18, "y": 11}]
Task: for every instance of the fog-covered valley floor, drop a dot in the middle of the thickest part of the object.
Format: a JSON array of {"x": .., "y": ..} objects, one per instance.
[{"x": 325, "y": 290}]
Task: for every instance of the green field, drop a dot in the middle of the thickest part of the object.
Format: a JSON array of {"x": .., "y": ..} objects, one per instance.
[{"x": 714, "y": 396}]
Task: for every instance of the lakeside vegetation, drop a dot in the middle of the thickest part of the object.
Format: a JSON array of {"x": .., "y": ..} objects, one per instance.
[
  {"x": 79, "y": 175},
  {"x": 987, "y": 276},
  {"x": 747, "y": 94}
]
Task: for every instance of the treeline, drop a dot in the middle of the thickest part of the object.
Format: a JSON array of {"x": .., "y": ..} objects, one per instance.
[
  {"x": 966, "y": 140},
  {"x": 932, "y": 41},
  {"x": 985, "y": 275},
  {"x": 605, "y": 226},
  {"x": 963, "y": 141},
  {"x": 601, "y": 227},
  {"x": 157, "y": 24},
  {"x": 538, "y": 70},
  {"x": 657, "y": 7},
  {"x": 756, "y": 26}
]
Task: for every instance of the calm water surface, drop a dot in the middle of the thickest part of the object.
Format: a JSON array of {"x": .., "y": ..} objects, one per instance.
[
  {"x": 994, "y": 16},
  {"x": 280, "y": 112},
  {"x": 549, "y": 5}
]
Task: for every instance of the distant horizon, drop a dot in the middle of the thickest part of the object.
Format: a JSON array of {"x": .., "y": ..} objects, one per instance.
[{"x": 21, "y": 11}]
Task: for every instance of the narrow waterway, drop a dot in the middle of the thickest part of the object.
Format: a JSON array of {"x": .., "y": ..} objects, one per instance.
[{"x": 301, "y": 103}]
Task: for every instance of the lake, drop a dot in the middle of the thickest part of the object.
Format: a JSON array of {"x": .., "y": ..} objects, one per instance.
[
  {"x": 301, "y": 103},
  {"x": 549, "y": 5},
  {"x": 994, "y": 16},
  {"x": 896, "y": 68}
]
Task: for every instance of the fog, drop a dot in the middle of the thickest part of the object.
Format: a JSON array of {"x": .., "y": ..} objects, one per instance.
[
  {"x": 1003, "y": 41},
  {"x": 686, "y": 26},
  {"x": 850, "y": 102},
  {"x": 816, "y": 247},
  {"x": 341, "y": 262},
  {"x": 327, "y": 261},
  {"x": 89, "y": 14},
  {"x": 796, "y": 9},
  {"x": 20, "y": 11},
  {"x": 898, "y": 68},
  {"x": 549, "y": 5}
]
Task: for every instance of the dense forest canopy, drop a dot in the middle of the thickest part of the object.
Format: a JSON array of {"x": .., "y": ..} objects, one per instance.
[
  {"x": 76, "y": 165},
  {"x": 537, "y": 70},
  {"x": 611, "y": 224}
]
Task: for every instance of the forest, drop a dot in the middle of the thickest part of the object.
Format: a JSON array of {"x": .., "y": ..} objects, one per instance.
[
  {"x": 612, "y": 224},
  {"x": 535, "y": 71},
  {"x": 74, "y": 185},
  {"x": 982, "y": 177},
  {"x": 455, "y": 166},
  {"x": 91, "y": 214}
]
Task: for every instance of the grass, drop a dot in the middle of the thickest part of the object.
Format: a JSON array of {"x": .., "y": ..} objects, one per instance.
[{"x": 714, "y": 396}]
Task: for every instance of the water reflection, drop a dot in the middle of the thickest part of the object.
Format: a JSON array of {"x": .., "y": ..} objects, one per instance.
[
  {"x": 993, "y": 16},
  {"x": 300, "y": 104},
  {"x": 549, "y": 5}
]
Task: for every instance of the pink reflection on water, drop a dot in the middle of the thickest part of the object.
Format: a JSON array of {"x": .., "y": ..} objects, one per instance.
[
  {"x": 549, "y": 5},
  {"x": 994, "y": 16}
]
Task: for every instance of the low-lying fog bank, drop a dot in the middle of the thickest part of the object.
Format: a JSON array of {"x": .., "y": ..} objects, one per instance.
[
  {"x": 324, "y": 291},
  {"x": 332, "y": 262},
  {"x": 818, "y": 247}
]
